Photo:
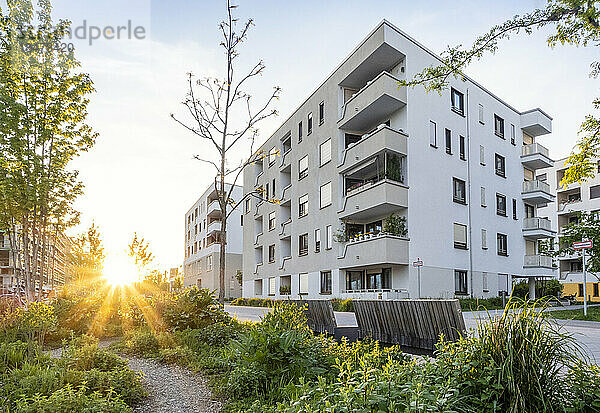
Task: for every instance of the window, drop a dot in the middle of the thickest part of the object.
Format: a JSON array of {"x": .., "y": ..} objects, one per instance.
[
  {"x": 499, "y": 126},
  {"x": 460, "y": 236},
  {"x": 481, "y": 114},
  {"x": 272, "y": 286},
  {"x": 325, "y": 282},
  {"x": 580, "y": 290},
  {"x": 303, "y": 206},
  {"x": 514, "y": 209},
  {"x": 483, "y": 204},
  {"x": 247, "y": 208},
  {"x": 448, "y": 142},
  {"x": 529, "y": 211},
  {"x": 354, "y": 280},
  {"x": 432, "y": 134},
  {"x": 299, "y": 131},
  {"x": 484, "y": 282},
  {"x": 271, "y": 221},
  {"x": 599, "y": 167},
  {"x": 209, "y": 262},
  {"x": 328, "y": 237},
  {"x": 458, "y": 101},
  {"x": 500, "y": 205},
  {"x": 325, "y": 152},
  {"x": 303, "y": 283},
  {"x": 502, "y": 247},
  {"x": 273, "y": 155},
  {"x": 460, "y": 282},
  {"x": 512, "y": 134},
  {"x": 303, "y": 167},
  {"x": 325, "y": 195},
  {"x": 459, "y": 192},
  {"x": 241, "y": 220},
  {"x": 594, "y": 191},
  {"x": 484, "y": 239},
  {"x": 321, "y": 113},
  {"x": 463, "y": 155},
  {"x": 272, "y": 253},
  {"x": 303, "y": 244},
  {"x": 309, "y": 124},
  {"x": 500, "y": 166},
  {"x": 273, "y": 188},
  {"x": 482, "y": 155},
  {"x": 317, "y": 240},
  {"x": 267, "y": 192},
  {"x": 595, "y": 286},
  {"x": 379, "y": 280}
]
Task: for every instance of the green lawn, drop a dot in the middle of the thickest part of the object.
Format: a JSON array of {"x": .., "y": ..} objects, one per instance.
[{"x": 593, "y": 314}]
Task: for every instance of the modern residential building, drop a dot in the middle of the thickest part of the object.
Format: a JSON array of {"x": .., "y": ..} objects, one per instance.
[
  {"x": 373, "y": 179},
  {"x": 55, "y": 265},
  {"x": 570, "y": 201},
  {"x": 202, "y": 232}
]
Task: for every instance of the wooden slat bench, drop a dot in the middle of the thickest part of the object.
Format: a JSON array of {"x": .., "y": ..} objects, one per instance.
[
  {"x": 319, "y": 314},
  {"x": 410, "y": 323}
]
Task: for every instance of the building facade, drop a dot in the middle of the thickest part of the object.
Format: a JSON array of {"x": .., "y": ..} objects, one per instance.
[
  {"x": 202, "y": 231},
  {"x": 55, "y": 264},
  {"x": 570, "y": 201},
  {"x": 365, "y": 179}
]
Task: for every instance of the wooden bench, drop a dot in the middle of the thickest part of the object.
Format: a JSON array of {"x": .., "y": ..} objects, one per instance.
[
  {"x": 416, "y": 324},
  {"x": 319, "y": 314}
]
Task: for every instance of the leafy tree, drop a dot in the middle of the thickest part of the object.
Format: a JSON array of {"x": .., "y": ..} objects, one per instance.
[
  {"x": 222, "y": 114},
  {"x": 139, "y": 250},
  {"x": 87, "y": 255},
  {"x": 572, "y": 22},
  {"x": 43, "y": 110},
  {"x": 587, "y": 227}
]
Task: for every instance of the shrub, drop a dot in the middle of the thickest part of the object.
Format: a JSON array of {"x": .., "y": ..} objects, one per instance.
[
  {"x": 69, "y": 400},
  {"x": 342, "y": 305},
  {"x": 145, "y": 342},
  {"x": 193, "y": 308},
  {"x": 123, "y": 381},
  {"x": 216, "y": 335},
  {"x": 14, "y": 354}
]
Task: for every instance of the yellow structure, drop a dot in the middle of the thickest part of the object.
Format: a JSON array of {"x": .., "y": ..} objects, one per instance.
[{"x": 576, "y": 289}]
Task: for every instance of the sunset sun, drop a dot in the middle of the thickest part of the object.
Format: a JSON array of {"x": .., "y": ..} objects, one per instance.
[{"x": 119, "y": 270}]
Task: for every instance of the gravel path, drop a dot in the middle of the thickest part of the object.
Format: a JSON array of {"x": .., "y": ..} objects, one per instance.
[{"x": 172, "y": 389}]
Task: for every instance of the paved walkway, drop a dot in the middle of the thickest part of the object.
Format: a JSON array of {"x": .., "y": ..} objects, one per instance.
[{"x": 586, "y": 333}]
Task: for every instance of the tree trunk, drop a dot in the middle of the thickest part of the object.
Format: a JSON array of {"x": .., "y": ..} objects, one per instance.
[{"x": 222, "y": 237}]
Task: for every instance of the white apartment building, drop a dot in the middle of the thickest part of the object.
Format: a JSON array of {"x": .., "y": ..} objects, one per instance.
[
  {"x": 363, "y": 159},
  {"x": 570, "y": 201},
  {"x": 202, "y": 229}
]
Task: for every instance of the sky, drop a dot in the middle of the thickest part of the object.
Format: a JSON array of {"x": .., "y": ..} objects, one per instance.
[{"x": 141, "y": 176}]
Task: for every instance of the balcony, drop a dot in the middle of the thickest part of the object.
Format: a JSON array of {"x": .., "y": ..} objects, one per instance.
[
  {"x": 213, "y": 227},
  {"x": 537, "y": 228},
  {"x": 214, "y": 209},
  {"x": 374, "y": 249},
  {"x": 373, "y": 104},
  {"x": 536, "y": 156},
  {"x": 375, "y": 142},
  {"x": 537, "y": 261},
  {"x": 535, "y": 122},
  {"x": 537, "y": 192},
  {"x": 373, "y": 199}
]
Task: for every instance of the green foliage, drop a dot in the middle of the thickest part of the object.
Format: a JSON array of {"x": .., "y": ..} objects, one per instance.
[
  {"x": 145, "y": 342},
  {"x": 194, "y": 308},
  {"x": 254, "y": 302},
  {"x": 587, "y": 227},
  {"x": 342, "y": 305},
  {"x": 546, "y": 289},
  {"x": 395, "y": 225},
  {"x": 476, "y": 304}
]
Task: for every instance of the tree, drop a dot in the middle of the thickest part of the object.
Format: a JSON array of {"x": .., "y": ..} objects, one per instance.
[
  {"x": 586, "y": 227},
  {"x": 223, "y": 117},
  {"x": 43, "y": 109},
  {"x": 139, "y": 250},
  {"x": 87, "y": 255},
  {"x": 574, "y": 22}
]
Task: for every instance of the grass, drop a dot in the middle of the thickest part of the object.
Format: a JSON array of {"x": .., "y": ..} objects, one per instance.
[{"x": 593, "y": 314}]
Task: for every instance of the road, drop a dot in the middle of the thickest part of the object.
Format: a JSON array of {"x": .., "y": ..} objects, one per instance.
[{"x": 586, "y": 333}]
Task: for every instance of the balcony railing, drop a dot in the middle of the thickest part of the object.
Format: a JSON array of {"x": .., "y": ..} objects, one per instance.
[
  {"x": 535, "y": 156},
  {"x": 537, "y": 223},
  {"x": 535, "y": 148},
  {"x": 537, "y": 261},
  {"x": 535, "y": 185},
  {"x": 374, "y": 249},
  {"x": 374, "y": 198}
]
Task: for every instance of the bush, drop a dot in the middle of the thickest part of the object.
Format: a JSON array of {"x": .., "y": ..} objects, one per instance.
[
  {"x": 216, "y": 335},
  {"x": 255, "y": 302},
  {"x": 145, "y": 342},
  {"x": 342, "y": 305},
  {"x": 69, "y": 400},
  {"x": 14, "y": 355},
  {"x": 193, "y": 308},
  {"x": 478, "y": 304}
]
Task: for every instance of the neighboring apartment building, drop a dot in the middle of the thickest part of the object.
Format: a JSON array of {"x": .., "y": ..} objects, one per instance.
[
  {"x": 362, "y": 159},
  {"x": 571, "y": 200},
  {"x": 202, "y": 229},
  {"x": 56, "y": 264}
]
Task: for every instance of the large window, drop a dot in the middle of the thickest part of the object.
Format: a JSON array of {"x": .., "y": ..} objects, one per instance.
[
  {"x": 502, "y": 244},
  {"x": 460, "y": 236},
  {"x": 459, "y": 191},
  {"x": 325, "y": 195},
  {"x": 303, "y": 167},
  {"x": 379, "y": 280},
  {"x": 501, "y": 205},
  {"x": 500, "y": 166},
  {"x": 325, "y": 282},
  {"x": 460, "y": 282},
  {"x": 432, "y": 134},
  {"x": 325, "y": 152},
  {"x": 303, "y": 244},
  {"x": 448, "y": 141},
  {"x": 271, "y": 221},
  {"x": 303, "y": 206},
  {"x": 499, "y": 126},
  {"x": 272, "y": 253},
  {"x": 354, "y": 280},
  {"x": 458, "y": 101}
]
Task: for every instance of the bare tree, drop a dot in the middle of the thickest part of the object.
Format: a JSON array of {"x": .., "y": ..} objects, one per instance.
[{"x": 223, "y": 114}]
